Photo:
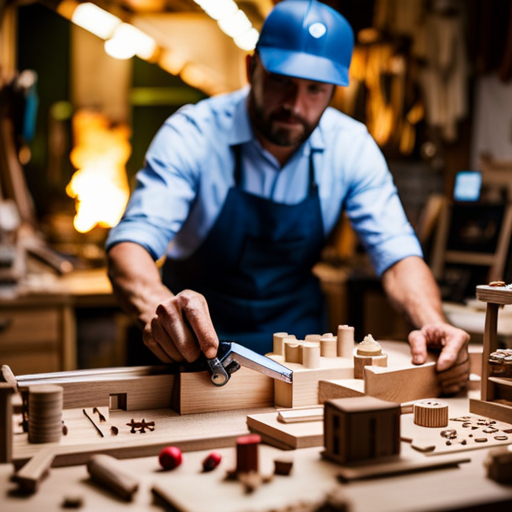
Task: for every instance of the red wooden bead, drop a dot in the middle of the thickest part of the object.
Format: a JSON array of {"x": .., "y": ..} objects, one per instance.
[
  {"x": 212, "y": 461},
  {"x": 170, "y": 457}
]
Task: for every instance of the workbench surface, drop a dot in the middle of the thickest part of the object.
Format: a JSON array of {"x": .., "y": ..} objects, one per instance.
[{"x": 459, "y": 488}]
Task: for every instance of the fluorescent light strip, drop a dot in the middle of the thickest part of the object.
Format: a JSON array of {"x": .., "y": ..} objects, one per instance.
[
  {"x": 96, "y": 20},
  {"x": 232, "y": 21}
]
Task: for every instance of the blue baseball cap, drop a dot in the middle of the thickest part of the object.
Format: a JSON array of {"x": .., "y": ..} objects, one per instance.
[{"x": 307, "y": 39}]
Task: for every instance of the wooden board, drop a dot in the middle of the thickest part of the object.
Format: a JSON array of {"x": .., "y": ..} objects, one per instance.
[
  {"x": 343, "y": 388},
  {"x": 430, "y": 441},
  {"x": 286, "y": 435},
  {"x": 194, "y": 392},
  {"x": 189, "y": 432},
  {"x": 402, "y": 385},
  {"x": 392, "y": 466}
]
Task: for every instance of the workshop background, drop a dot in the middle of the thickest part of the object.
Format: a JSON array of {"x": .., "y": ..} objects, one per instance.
[{"x": 84, "y": 86}]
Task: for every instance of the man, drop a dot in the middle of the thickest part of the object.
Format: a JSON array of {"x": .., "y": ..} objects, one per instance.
[{"x": 246, "y": 189}]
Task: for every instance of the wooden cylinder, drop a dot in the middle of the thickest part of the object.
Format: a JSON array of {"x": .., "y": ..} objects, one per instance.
[
  {"x": 313, "y": 337},
  {"x": 431, "y": 413},
  {"x": 247, "y": 453},
  {"x": 361, "y": 361},
  {"x": 345, "y": 341},
  {"x": 293, "y": 351},
  {"x": 311, "y": 354},
  {"x": 328, "y": 346},
  {"x": 45, "y": 413},
  {"x": 278, "y": 342},
  {"x": 109, "y": 472}
]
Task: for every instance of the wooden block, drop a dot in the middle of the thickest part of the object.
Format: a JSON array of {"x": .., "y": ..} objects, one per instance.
[
  {"x": 344, "y": 388},
  {"x": 293, "y": 351},
  {"x": 195, "y": 393},
  {"x": 328, "y": 346},
  {"x": 6, "y": 411},
  {"x": 402, "y": 385},
  {"x": 301, "y": 415},
  {"x": 45, "y": 413},
  {"x": 287, "y": 436},
  {"x": 361, "y": 428},
  {"x": 247, "y": 453},
  {"x": 499, "y": 465},
  {"x": 345, "y": 341},
  {"x": 278, "y": 342},
  {"x": 361, "y": 361},
  {"x": 108, "y": 472},
  {"x": 431, "y": 413},
  {"x": 35, "y": 470},
  {"x": 311, "y": 354}
]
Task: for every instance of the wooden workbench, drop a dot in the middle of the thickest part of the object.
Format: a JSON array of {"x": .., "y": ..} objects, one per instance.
[{"x": 460, "y": 488}]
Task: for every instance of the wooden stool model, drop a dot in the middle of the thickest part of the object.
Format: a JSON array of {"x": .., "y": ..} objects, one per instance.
[{"x": 496, "y": 394}]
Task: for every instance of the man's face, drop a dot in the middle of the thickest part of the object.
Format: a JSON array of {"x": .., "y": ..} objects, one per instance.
[{"x": 285, "y": 110}]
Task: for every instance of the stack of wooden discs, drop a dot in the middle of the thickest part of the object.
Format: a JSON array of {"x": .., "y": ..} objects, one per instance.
[
  {"x": 45, "y": 413},
  {"x": 431, "y": 413}
]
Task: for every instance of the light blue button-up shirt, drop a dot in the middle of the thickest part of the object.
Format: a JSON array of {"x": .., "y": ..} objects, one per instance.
[{"x": 189, "y": 167}]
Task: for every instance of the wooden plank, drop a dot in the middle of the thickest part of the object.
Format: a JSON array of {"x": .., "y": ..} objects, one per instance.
[
  {"x": 35, "y": 470},
  {"x": 399, "y": 465},
  {"x": 194, "y": 392},
  {"x": 286, "y": 435},
  {"x": 490, "y": 345},
  {"x": 496, "y": 295},
  {"x": 189, "y": 432},
  {"x": 6, "y": 431},
  {"x": 489, "y": 409},
  {"x": 402, "y": 385}
]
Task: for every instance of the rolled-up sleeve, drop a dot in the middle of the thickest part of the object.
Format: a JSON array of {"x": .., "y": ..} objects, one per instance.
[{"x": 374, "y": 208}]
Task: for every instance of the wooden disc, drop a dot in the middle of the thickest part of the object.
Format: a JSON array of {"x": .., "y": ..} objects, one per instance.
[{"x": 431, "y": 413}]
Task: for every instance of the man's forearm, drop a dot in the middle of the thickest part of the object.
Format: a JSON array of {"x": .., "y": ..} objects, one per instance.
[
  {"x": 412, "y": 289},
  {"x": 136, "y": 281}
]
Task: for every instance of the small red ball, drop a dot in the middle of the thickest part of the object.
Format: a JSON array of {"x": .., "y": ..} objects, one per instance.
[
  {"x": 170, "y": 457},
  {"x": 212, "y": 461}
]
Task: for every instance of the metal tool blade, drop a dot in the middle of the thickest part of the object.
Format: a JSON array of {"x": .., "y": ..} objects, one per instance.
[{"x": 257, "y": 362}]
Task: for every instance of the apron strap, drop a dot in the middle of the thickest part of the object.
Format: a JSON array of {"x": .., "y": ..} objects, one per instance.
[{"x": 237, "y": 173}]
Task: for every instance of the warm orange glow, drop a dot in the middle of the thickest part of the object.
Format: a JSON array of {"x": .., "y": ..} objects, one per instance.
[{"x": 100, "y": 185}]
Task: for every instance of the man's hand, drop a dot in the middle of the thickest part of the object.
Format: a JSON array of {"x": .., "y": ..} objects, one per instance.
[
  {"x": 181, "y": 329},
  {"x": 453, "y": 361}
]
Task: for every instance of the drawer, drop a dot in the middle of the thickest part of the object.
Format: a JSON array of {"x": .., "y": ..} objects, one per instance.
[{"x": 29, "y": 327}]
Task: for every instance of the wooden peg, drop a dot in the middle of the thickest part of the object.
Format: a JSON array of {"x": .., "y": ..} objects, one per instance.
[
  {"x": 293, "y": 351},
  {"x": 311, "y": 354},
  {"x": 328, "y": 346},
  {"x": 108, "y": 472},
  {"x": 345, "y": 341},
  {"x": 278, "y": 342}
]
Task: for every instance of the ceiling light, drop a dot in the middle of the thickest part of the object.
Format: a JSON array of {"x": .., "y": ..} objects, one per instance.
[
  {"x": 128, "y": 41},
  {"x": 235, "y": 25},
  {"x": 247, "y": 41},
  {"x": 218, "y": 9},
  {"x": 96, "y": 20}
]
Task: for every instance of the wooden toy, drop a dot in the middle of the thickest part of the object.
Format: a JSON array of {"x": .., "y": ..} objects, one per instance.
[
  {"x": 109, "y": 473},
  {"x": 496, "y": 391},
  {"x": 247, "y": 453},
  {"x": 345, "y": 341},
  {"x": 361, "y": 428},
  {"x": 170, "y": 457},
  {"x": 431, "y": 413}
]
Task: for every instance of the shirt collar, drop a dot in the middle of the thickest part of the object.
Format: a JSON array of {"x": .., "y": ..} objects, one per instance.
[{"x": 241, "y": 129}]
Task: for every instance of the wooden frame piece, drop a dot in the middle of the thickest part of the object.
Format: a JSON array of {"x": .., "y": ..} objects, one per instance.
[{"x": 496, "y": 394}]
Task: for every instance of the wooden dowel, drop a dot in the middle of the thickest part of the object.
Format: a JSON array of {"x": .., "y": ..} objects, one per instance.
[{"x": 108, "y": 472}]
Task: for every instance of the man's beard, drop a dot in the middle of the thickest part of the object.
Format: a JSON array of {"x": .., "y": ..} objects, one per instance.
[{"x": 279, "y": 135}]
